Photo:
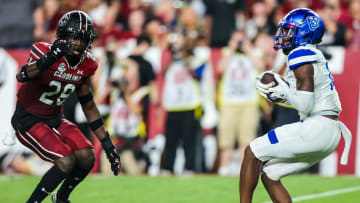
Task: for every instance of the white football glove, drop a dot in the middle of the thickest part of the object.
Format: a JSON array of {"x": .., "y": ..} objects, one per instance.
[
  {"x": 279, "y": 92},
  {"x": 271, "y": 93},
  {"x": 263, "y": 88}
]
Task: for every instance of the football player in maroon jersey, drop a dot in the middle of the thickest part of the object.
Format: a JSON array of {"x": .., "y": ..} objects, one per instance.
[{"x": 53, "y": 72}]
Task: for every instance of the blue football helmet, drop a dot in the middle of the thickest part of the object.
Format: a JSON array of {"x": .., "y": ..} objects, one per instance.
[{"x": 299, "y": 27}]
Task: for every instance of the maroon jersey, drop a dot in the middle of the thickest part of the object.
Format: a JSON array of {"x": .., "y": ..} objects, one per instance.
[{"x": 44, "y": 95}]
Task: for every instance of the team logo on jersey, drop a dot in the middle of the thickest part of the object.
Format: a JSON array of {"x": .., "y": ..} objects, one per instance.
[
  {"x": 313, "y": 22},
  {"x": 62, "y": 67}
]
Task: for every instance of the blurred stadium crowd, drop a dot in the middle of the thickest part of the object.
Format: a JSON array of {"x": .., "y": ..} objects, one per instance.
[{"x": 175, "y": 80}]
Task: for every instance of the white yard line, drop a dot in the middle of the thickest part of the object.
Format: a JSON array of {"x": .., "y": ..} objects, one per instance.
[{"x": 325, "y": 194}]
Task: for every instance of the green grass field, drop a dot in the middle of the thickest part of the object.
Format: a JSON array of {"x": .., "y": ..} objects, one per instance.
[{"x": 193, "y": 189}]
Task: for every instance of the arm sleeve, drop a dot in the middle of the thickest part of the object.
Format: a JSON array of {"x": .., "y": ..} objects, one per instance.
[{"x": 303, "y": 101}]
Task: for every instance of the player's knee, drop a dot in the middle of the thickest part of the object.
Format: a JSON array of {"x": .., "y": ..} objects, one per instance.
[
  {"x": 66, "y": 164},
  {"x": 85, "y": 158}
]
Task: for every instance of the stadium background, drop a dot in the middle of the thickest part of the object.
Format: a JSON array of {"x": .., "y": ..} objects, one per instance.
[{"x": 343, "y": 64}]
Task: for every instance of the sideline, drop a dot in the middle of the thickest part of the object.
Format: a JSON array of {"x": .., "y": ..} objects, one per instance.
[{"x": 324, "y": 194}]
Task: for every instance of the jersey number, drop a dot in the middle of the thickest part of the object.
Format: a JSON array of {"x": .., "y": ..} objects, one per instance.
[
  {"x": 330, "y": 77},
  {"x": 68, "y": 89}
]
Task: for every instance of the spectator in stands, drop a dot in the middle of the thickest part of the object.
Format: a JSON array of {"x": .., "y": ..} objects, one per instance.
[
  {"x": 188, "y": 22},
  {"x": 203, "y": 68},
  {"x": 50, "y": 7},
  {"x": 166, "y": 11},
  {"x": 63, "y": 7},
  {"x": 144, "y": 67},
  {"x": 126, "y": 118},
  {"x": 104, "y": 13},
  {"x": 221, "y": 15},
  {"x": 156, "y": 31},
  {"x": 263, "y": 55},
  {"x": 199, "y": 7},
  {"x": 136, "y": 97},
  {"x": 127, "y": 37},
  {"x": 134, "y": 25},
  {"x": 21, "y": 23},
  {"x": 181, "y": 99},
  {"x": 354, "y": 8},
  {"x": 289, "y": 5},
  {"x": 336, "y": 33},
  {"x": 260, "y": 21},
  {"x": 239, "y": 113}
]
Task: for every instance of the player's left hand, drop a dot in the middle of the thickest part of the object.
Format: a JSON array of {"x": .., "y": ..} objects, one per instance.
[
  {"x": 279, "y": 92},
  {"x": 263, "y": 89},
  {"x": 59, "y": 48},
  {"x": 111, "y": 154}
]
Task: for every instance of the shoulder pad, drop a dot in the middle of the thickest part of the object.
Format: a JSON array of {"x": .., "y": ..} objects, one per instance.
[
  {"x": 38, "y": 49},
  {"x": 300, "y": 56},
  {"x": 90, "y": 55},
  {"x": 90, "y": 64}
]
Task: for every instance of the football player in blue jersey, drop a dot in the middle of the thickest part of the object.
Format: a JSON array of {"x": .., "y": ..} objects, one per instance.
[{"x": 310, "y": 89}]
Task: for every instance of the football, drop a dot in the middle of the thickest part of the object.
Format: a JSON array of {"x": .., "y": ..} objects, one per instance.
[{"x": 269, "y": 79}]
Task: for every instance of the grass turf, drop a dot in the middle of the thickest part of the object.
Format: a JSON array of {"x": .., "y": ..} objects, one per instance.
[{"x": 193, "y": 189}]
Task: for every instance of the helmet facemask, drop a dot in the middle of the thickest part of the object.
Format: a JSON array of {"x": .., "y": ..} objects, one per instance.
[
  {"x": 77, "y": 29},
  {"x": 284, "y": 37},
  {"x": 299, "y": 27},
  {"x": 77, "y": 44}
]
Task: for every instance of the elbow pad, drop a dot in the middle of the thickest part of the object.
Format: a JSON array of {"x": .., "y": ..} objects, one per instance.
[{"x": 303, "y": 101}]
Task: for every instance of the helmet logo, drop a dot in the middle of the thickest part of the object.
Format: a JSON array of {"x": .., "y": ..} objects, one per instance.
[
  {"x": 313, "y": 22},
  {"x": 62, "y": 67},
  {"x": 63, "y": 21}
]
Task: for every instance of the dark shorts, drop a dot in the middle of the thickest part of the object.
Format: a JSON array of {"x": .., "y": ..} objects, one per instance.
[{"x": 48, "y": 141}]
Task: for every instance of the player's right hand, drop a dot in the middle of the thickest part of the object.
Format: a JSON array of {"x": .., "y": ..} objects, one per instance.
[
  {"x": 114, "y": 160},
  {"x": 111, "y": 154},
  {"x": 59, "y": 48}
]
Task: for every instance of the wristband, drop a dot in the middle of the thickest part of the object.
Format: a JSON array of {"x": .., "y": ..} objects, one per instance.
[
  {"x": 96, "y": 124},
  {"x": 85, "y": 99}
]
